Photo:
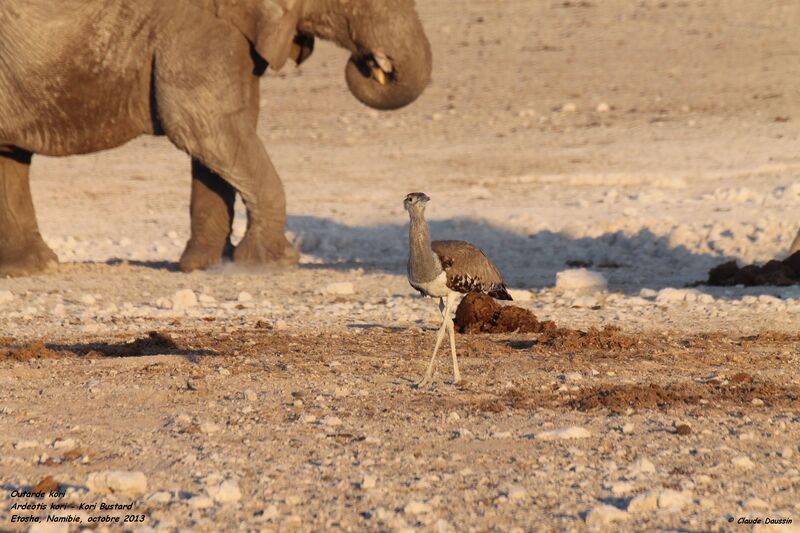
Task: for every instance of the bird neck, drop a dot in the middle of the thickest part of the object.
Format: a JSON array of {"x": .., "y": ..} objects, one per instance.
[{"x": 423, "y": 264}]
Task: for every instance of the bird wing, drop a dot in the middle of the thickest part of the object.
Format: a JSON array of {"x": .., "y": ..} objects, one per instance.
[{"x": 469, "y": 270}]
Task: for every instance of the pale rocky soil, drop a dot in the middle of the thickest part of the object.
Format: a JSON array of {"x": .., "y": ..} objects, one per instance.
[{"x": 652, "y": 140}]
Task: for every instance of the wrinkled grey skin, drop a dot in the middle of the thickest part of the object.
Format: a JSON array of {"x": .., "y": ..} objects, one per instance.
[{"x": 78, "y": 76}]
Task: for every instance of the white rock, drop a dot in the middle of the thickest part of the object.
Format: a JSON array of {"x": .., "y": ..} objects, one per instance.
[
  {"x": 628, "y": 428},
  {"x": 25, "y": 444},
  {"x": 787, "y": 452},
  {"x": 250, "y": 395},
  {"x": 603, "y": 515},
  {"x": 648, "y": 293},
  {"x": 64, "y": 443},
  {"x": 755, "y": 503},
  {"x": 705, "y": 299},
  {"x": 520, "y": 295},
  {"x": 206, "y": 299},
  {"x": 642, "y": 466},
  {"x": 587, "y": 301},
  {"x": 602, "y": 107},
  {"x": 443, "y": 526},
  {"x": 569, "y": 107},
  {"x": 87, "y": 299},
  {"x": 669, "y": 295},
  {"x": 369, "y": 482},
  {"x": 674, "y": 500},
  {"x": 271, "y": 512},
  {"x": 244, "y": 297},
  {"x": 743, "y": 462},
  {"x": 160, "y": 497},
  {"x": 200, "y": 502},
  {"x": 645, "y": 502},
  {"x": 184, "y": 299},
  {"x": 226, "y": 492},
  {"x": 332, "y": 421},
  {"x": 453, "y": 417},
  {"x": 417, "y": 507},
  {"x": 209, "y": 428},
  {"x": 117, "y": 482},
  {"x": 581, "y": 281},
  {"x": 517, "y": 493},
  {"x": 341, "y": 288},
  {"x": 573, "y": 432},
  {"x": 6, "y": 296},
  {"x": 621, "y": 488}
]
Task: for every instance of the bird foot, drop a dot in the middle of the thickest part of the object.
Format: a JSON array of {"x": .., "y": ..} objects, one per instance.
[{"x": 424, "y": 382}]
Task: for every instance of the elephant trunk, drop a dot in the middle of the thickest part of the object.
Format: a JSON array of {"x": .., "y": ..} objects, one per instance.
[{"x": 387, "y": 78}]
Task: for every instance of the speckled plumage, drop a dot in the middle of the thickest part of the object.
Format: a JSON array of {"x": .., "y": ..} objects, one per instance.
[{"x": 445, "y": 270}]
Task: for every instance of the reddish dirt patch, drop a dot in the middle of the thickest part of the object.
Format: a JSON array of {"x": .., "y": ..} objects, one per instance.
[
  {"x": 46, "y": 485},
  {"x": 608, "y": 338},
  {"x": 36, "y": 350},
  {"x": 619, "y": 398},
  {"x": 780, "y": 273},
  {"x": 155, "y": 343},
  {"x": 739, "y": 391},
  {"x": 479, "y": 313}
]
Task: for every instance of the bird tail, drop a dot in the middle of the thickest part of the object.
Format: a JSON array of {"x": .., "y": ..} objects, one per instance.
[{"x": 500, "y": 293}]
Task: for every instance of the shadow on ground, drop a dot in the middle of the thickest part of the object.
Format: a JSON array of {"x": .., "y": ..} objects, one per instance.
[
  {"x": 630, "y": 262},
  {"x": 155, "y": 343}
]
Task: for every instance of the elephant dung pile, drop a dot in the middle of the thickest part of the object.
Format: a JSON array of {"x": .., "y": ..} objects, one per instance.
[
  {"x": 479, "y": 313},
  {"x": 779, "y": 273}
]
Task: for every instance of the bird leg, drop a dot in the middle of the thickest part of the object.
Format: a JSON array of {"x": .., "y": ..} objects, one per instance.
[
  {"x": 426, "y": 380},
  {"x": 451, "y": 329}
]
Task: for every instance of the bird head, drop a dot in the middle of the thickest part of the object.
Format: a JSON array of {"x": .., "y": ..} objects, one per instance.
[{"x": 416, "y": 201}]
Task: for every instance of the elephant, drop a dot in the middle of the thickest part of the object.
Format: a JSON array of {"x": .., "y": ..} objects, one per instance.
[{"x": 80, "y": 76}]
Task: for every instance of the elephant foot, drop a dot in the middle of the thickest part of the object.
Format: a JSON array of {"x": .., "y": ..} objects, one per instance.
[
  {"x": 203, "y": 256},
  {"x": 36, "y": 258},
  {"x": 255, "y": 250}
]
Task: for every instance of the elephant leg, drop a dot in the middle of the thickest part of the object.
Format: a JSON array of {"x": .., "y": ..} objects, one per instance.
[
  {"x": 211, "y": 212},
  {"x": 22, "y": 250},
  {"x": 235, "y": 152}
]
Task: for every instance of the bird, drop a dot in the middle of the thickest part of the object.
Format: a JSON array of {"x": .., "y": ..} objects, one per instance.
[{"x": 446, "y": 270}]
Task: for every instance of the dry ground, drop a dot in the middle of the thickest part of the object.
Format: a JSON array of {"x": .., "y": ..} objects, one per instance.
[
  {"x": 649, "y": 139},
  {"x": 301, "y": 420}
]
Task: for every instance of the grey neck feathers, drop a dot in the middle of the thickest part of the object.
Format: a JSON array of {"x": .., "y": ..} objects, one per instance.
[{"x": 423, "y": 263}]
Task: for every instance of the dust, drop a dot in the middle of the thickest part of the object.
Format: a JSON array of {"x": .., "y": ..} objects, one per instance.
[
  {"x": 479, "y": 313},
  {"x": 779, "y": 273}
]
